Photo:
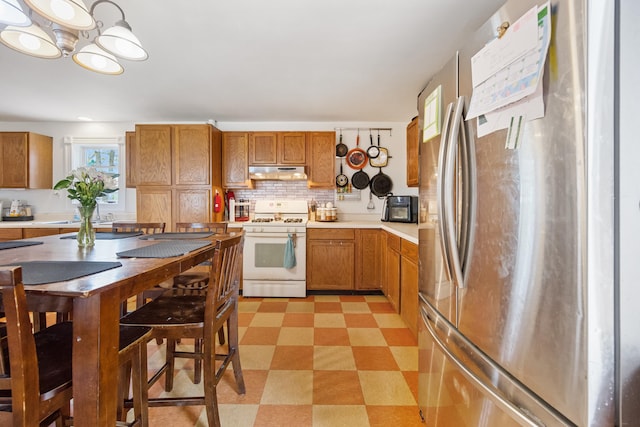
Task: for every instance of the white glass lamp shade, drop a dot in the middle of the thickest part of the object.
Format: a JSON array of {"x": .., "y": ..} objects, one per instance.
[
  {"x": 121, "y": 42},
  {"x": 11, "y": 13},
  {"x": 30, "y": 40},
  {"x": 70, "y": 13},
  {"x": 95, "y": 59}
]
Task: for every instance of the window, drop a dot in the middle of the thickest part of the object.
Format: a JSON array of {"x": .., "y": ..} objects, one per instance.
[{"x": 106, "y": 154}]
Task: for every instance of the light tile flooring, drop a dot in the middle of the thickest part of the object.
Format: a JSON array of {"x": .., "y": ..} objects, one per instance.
[{"x": 322, "y": 361}]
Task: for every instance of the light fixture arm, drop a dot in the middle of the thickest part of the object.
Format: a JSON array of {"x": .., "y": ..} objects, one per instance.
[{"x": 122, "y": 22}]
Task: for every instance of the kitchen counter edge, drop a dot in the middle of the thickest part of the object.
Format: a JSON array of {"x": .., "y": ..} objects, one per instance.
[{"x": 406, "y": 231}]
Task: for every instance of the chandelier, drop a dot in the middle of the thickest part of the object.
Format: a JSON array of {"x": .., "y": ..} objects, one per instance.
[{"x": 66, "y": 20}]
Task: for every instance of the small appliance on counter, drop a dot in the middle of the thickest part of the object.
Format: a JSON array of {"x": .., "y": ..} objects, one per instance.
[
  {"x": 17, "y": 212},
  {"x": 400, "y": 209}
]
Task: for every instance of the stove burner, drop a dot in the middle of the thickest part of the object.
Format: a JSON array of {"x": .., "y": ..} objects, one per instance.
[
  {"x": 293, "y": 220},
  {"x": 262, "y": 220}
]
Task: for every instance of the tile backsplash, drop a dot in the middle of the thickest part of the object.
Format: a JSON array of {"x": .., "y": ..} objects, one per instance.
[{"x": 283, "y": 190}]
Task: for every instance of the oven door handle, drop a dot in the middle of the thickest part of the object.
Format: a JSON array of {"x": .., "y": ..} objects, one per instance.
[{"x": 266, "y": 234}]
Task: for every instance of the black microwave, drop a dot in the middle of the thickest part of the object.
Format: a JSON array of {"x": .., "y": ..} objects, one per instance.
[{"x": 400, "y": 209}]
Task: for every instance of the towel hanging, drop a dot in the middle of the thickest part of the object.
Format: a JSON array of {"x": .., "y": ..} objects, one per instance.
[{"x": 289, "y": 252}]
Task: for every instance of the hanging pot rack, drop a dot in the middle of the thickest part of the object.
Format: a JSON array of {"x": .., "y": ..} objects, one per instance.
[{"x": 365, "y": 129}]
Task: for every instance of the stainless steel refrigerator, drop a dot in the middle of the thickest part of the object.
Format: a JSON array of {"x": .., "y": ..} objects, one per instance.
[{"x": 519, "y": 299}]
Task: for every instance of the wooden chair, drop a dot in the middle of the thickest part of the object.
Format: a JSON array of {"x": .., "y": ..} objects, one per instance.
[
  {"x": 36, "y": 389},
  {"x": 200, "y": 317},
  {"x": 131, "y": 227},
  {"x": 134, "y": 227}
]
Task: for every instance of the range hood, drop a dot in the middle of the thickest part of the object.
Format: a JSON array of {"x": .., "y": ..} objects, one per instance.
[{"x": 277, "y": 173}]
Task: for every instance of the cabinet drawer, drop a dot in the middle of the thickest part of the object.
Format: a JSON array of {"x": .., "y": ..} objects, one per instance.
[
  {"x": 409, "y": 250},
  {"x": 330, "y": 233},
  {"x": 393, "y": 242}
]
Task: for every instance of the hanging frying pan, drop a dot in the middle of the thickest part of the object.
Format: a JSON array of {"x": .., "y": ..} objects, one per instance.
[
  {"x": 360, "y": 180},
  {"x": 357, "y": 157},
  {"x": 341, "y": 149},
  {"x": 380, "y": 184},
  {"x": 341, "y": 180},
  {"x": 373, "y": 151},
  {"x": 383, "y": 156}
]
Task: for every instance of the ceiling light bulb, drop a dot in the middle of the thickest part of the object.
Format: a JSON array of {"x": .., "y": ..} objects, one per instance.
[
  {"x": 120, "y": 41},
  {"x": 70, "y": 13},
  {"x": 31, "y": 40},
  {"x": 95, "y": 59},
  {"x": 11, "y": 13}
]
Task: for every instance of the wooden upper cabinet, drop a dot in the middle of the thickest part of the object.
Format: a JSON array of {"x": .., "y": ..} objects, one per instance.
[
  {"x": 172, "y": 155},
  {"x": 192, "y": 154},
  {"x": 277, "y": 148},
  {"x": 321, "y": 155},
  {"x": 153, "y": 160},
  {"x": 235, "y": 160},
  {"x": 130, "y": 148},
  {"x": 413, "y": 146},
  {"x": 263, "y": 148},
  {"x": 26, "y": 160},
  {"x": 292, "y": 148}
]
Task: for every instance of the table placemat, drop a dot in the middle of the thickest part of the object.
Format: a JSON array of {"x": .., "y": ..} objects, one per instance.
[
  {"x": 108, "y": 235},
  {"x": 178, "y": 235},
  {"x": 17, "y": 244},
  {"x": 164, "y": 249},
  {"x": 41, "y": 272}
]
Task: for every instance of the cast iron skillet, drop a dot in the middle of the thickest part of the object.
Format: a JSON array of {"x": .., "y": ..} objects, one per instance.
[
  {"x": 373, "y": 151},
  {"x": 380, "y": 184},
  {"x": 360, "y": 180},
  {"x": 341, "y": 149}
]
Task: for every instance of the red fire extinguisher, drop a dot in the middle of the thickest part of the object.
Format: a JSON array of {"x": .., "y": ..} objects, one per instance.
[{"x": 217, "y": 202}]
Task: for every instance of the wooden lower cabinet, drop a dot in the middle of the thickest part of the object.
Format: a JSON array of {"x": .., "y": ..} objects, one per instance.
[
  {"x": 392, "y": 269},
  {"x": 369, "y": 259},
  {"x": 409, "y": 285},
  {"x": 330, "y": 259},
  {"x": 10, "y": 234},
  {"x": 171, "y": 205}
]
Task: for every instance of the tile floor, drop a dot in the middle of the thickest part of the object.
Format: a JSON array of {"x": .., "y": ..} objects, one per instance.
[{"x": 322, "y": 361}]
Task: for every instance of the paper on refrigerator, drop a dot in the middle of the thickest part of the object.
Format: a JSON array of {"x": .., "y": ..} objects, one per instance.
[{"x": 510, "y": 68}]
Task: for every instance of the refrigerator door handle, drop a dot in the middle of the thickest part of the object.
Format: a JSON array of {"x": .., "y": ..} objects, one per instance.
[
  {"x": 433, "y": 324},
  {"x": 442, "y": 157},
  {"x": 451, "y": 208}
]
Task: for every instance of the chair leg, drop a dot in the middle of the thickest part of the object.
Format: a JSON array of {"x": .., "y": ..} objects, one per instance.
[
  {"x": 123, "y": 389},
  {"x": 170, "y": 361},
  {"x": 210, "y": 396},
  {"x": 140, "y": 388},
  {"x": 232, "y": 332},
  {"x": 197, "y": 363}
]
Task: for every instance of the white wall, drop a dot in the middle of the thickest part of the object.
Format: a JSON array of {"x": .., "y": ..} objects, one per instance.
[{"x": 48, "y": 201}]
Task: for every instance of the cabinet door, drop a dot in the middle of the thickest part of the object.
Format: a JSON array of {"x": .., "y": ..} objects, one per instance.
[
  {"x": 153, "y": 163},
  {"x": 10, "y": 234},
  {"x": 292, "y": 148},
  {"x": 409, "y": 285},
  {"x": 412, "y": 153},
  {"x": 393, "y": 278},
  {"x": 321, "y": 152},
  {"x": 235, "y": 160},
  {"x": 330, "y": 264},
  {"x": 13, "y": 148},
  {"x": 153, "y": 204},
  {"x": 192, "y": 154},
  {"x": 130, "y": 148},
  {"x": 192, "y": 205},
  {"x": 28, "y": 233},
  {"x": 369, "y": 259},
  {"x": 263, "y": 148}
]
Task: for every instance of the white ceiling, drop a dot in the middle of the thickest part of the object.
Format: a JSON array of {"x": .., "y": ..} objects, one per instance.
[{"x": 252, "y": 61}]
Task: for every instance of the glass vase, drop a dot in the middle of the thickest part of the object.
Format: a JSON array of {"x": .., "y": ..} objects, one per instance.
[{"x": 86, "y": 235}]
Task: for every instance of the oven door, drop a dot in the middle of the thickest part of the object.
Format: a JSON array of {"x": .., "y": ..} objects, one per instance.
[{"x": 264, "y": 256}]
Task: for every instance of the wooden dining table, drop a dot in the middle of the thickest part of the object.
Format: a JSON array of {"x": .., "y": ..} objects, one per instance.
[{"x": 96, "y": 309}]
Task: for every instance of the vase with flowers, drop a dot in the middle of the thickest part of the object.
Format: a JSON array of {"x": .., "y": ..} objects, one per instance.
[{"x": 85, "y": 185}]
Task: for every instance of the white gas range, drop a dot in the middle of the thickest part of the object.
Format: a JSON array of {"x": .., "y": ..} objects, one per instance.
[{"x": 274, "y": 260}]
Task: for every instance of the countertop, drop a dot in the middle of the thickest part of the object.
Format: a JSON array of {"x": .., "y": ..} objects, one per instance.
[
  {"x": 406, "y": 231},
  {"x": 403, "y": 230}
]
